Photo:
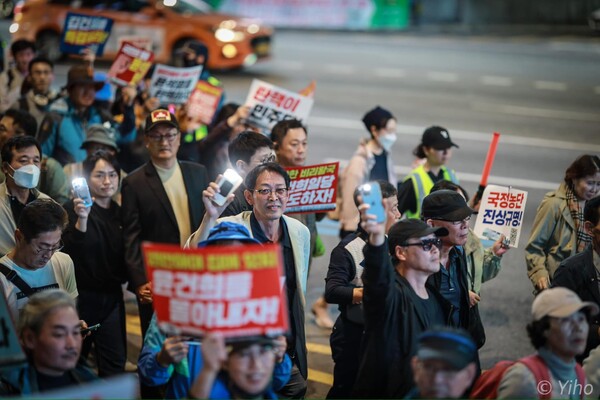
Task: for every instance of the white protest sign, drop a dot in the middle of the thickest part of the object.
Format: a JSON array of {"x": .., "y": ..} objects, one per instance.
[
  {"x": 173, "y": 85},
  {"x": 270, "y": 104},
  {"x": 501, "y": 213}
]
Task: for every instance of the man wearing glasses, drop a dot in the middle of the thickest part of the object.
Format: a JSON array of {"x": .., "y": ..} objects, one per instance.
[
  {"x": 448, "y": 209},
  {"x": 36, "y": 263},
  {"x": 398, "y": 304},
  {"x": 160, "y": 202},
  {"x": 266, "y": 191}
]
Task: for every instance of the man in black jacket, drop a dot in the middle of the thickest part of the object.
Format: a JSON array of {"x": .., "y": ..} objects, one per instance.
[
  {"x": 162, "y": 202},
  {"x": 398, "y": 306},
  {"x": 580, "y": 272},
  {"x": 448, "y": 209}
]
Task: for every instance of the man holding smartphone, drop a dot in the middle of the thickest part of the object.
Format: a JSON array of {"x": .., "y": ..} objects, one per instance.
[
  {"x": 398, "y": 304},
  {"x": 267, "y": 188},
  {"x": 160, "y": 202}
]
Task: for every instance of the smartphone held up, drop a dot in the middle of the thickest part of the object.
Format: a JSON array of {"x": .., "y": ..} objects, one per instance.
[
  {"x": 371, "y": 195},
  {"x": 82, "y": 191},
  {"x": 228, "y": 183}
]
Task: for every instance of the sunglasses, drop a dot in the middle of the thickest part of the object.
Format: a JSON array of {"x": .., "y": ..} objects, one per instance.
[{"x": 427, "y": 244}]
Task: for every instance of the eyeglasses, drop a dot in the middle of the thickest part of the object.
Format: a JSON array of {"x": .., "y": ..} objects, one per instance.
[
  {"x": 280, "y": 192},
  {"x": 456, "y": 223},
  {"x": 49, "y": 250},
  {"x": 268, "y": 159},
  {"x": 159, "y": 138},
  {"x": 427, "y": 244}
]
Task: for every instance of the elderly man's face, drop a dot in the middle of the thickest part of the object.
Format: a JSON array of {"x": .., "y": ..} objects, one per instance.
[
  {"x": 163, "y": 142},
  {"x": 436, "y": 379},
  {"x": 56, "y": 348}
]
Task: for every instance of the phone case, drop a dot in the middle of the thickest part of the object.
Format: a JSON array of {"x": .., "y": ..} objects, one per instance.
[
  {"x": 371, "y": 195},
  {"x": 228, "y": 183},
  {"x": 81, "y": 190}
]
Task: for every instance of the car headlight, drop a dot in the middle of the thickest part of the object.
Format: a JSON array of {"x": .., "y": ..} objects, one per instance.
[
  {"x": 13, "y": 28},
  {"x": 227, "y": 35},
  {"x": 229, "y": 51}
]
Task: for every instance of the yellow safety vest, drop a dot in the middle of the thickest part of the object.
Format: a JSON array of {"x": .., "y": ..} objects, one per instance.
[{"x": 422, "y": 184}]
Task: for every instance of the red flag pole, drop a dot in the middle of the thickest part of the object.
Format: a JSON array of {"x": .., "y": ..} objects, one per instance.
[{"x": 487, "y": 167}]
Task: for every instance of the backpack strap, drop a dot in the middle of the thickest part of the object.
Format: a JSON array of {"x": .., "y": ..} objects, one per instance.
[
  {"x": 540, "y": 371},
  {"x": 16, "y": 280},
  {"x": 581, "y": 379}
]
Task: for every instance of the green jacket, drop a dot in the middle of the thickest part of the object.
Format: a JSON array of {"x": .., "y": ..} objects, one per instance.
[
  {"x": 482, "y": 264},
  {"x": 552, "y": 237}
]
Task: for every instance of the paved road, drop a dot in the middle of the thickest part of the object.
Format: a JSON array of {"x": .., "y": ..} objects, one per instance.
[{"x": 541, "y": 93}]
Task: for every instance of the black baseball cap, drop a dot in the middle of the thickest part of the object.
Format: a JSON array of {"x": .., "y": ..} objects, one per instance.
[
  {"x": 437, "y": 138},
  {"x": 453, "y": 346},
  {"x": 405, "y": 229},
  {"x": 160, "y": 116},
  {"x": 446, "y": 205}
]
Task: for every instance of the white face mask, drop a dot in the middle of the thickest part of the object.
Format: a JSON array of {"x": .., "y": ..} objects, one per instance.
[
  {"x": 27, "y": 176},
  {"x": 387, "y": 141}
]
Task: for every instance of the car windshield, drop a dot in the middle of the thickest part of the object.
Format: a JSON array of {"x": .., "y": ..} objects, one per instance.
[{"x": 187, "y": 6}]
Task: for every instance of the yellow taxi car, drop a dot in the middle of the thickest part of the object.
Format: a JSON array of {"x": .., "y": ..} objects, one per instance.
[{"x": 163, "y": 26}]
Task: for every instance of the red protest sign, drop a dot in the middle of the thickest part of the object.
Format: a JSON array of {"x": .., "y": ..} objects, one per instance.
[
  {"x": 312, "y": 188},
  {"x": 234, "y": 290},
  {"x": 131, "y": 64},
  {"x": 203, "y": 103}
]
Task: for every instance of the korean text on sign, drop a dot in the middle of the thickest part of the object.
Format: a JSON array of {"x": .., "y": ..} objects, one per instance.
[
  {"x": 130, "y": 65},
  {"x": 230, "y": 289},
  {"x": 85, "y": 31},
  {"x": 270, "y": 104},
  {"x": 501, "y": 213},
  {"x": 173, "y": 85},
  {"x": 312, "y": 188}
]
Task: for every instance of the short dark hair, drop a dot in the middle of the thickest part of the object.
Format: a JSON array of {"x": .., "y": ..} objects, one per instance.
[
  {"x": 253, "y": 175},
  {"x": 448, "y": 185},
  {"x": 90, "y": 162},
  {"x": 41, "y": 60},
  {"x": 225, "y": 112},
  {"x": 245, "y": 145},
  {"x": 18, "y": 143},
  {"x": 583, "y": 166},
  {"x": 536, "y": 331},
  {"x": 282, "y": 127},
  {"x": 41, "y": 216},
  {"x": 387, "y": 190},
  {"x": 24, "y": 120},
  {"x": 591, "y": 212},
  {"x": 19, "y": 45}
]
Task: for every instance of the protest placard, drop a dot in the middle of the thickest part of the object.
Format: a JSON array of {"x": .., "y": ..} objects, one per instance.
[
  {"x": 501, "y": 213},
  {"x": 130, "y": 65},
  {"x": 270, "y": 104},
  {"x": 85, "y": 31},
  {"x": 234, "y": 290},
  {"x": 203, "y": 104},
  {"x": 173, "y": 85},
  {"x": 10, "y": 348},
  {"x": 312, "y": 188}
]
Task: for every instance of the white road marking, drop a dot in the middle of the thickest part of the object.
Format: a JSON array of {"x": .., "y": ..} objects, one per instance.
[
  {"x": 442, "y": 76},
  {"x": 403, "y": 170},
  {"x": 340, "y": 69},
  {"x": 537, "y": 112},
  {"x": 496, "y": 80},
  {"x": 550, "y": 85},
  {"x": 340, "y": 125},
  {"x": 390, "y": 73},
  {"x": 290, "y": 65}
]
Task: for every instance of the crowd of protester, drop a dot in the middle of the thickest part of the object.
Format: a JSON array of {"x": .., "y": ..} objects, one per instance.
[{"x": 407, "y": 284}]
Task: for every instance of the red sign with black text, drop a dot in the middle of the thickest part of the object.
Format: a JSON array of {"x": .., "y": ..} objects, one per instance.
[
  {"x": 234, "y": 290},
  {"x": 312, "y": 188}
]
